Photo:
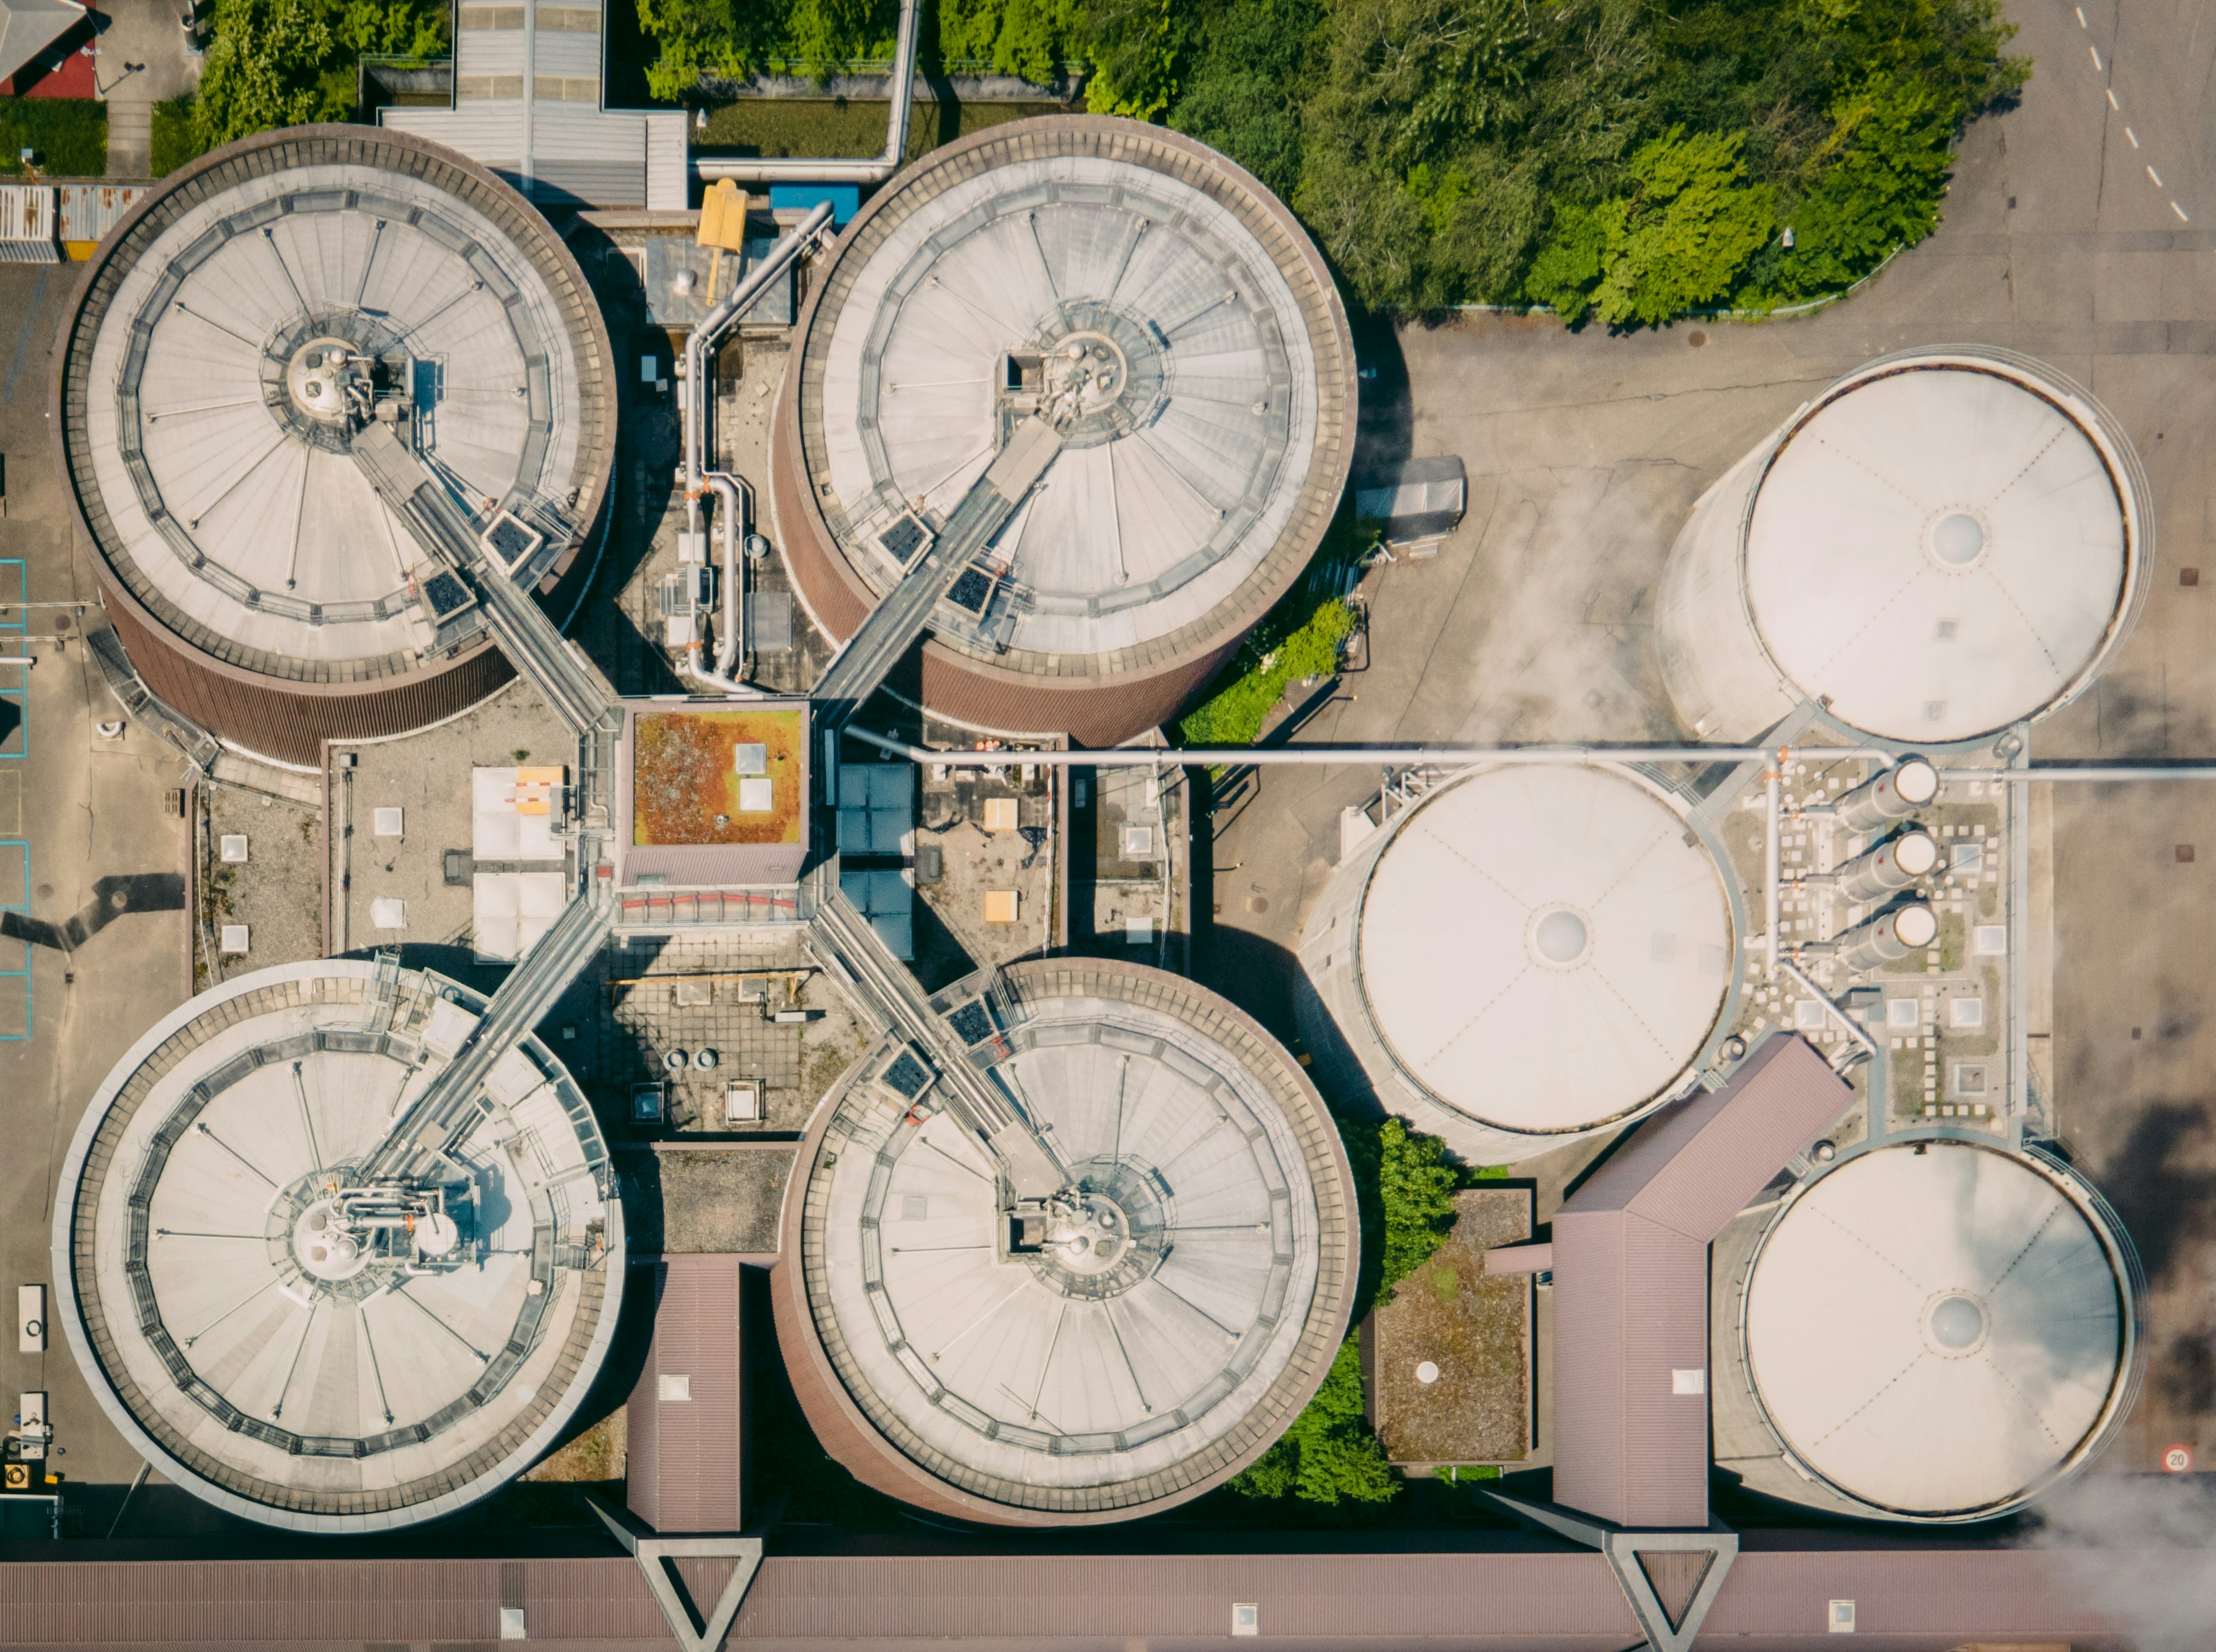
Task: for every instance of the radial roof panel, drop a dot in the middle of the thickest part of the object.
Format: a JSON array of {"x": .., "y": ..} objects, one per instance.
[
  {"x": 1152, "y": 1349},
  {"x": 1212, "y": 472},
  {"x": 211, "y": 460},
  {"x": 1941, "y": 548},
  {"x": 1940, "y": 1329},
  {"x": 1544, "y": 948},
  {"x": 291, "y": 1357}
]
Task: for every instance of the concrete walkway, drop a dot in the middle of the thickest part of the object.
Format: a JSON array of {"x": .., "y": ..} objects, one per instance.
[{"x": 142, "y": 60}]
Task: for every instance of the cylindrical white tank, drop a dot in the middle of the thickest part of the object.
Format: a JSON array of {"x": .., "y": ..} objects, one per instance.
[
  {"x": 1887, "y": 938},
  {"x": 1938, "y": 1330},
  {"x": 1943, "y": 544},
  {"x": 1890, "y": 794},
  {"x": 1527, "y": 955},
  {"x": 1892, "y": 864}
]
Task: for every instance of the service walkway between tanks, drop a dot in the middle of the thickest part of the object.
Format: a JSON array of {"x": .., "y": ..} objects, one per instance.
[{"x": 1586, "y": 452}]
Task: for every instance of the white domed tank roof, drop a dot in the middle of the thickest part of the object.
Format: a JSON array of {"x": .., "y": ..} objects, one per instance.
[
  {"x": 1937, "y": 1330},
  {"x": 302, "y": 1349},
  {"x": 1533, "y": 952},
  {"x": 1940, "y": 545},
  {"x": 1147, "y": 1335}
]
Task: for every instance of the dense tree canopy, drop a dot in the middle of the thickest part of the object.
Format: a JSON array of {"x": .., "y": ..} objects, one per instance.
[
  {"x": 282, "y": 63},
  {"x": 1624, "y": 159}
]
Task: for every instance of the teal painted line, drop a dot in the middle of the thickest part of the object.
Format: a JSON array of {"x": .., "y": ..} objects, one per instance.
[
  {"x": 19, "y": 690},
  {"x": 18, "y": 901}
]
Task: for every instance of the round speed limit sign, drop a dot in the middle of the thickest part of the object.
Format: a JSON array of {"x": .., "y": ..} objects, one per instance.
[{"x": 2178, "y": 1459}]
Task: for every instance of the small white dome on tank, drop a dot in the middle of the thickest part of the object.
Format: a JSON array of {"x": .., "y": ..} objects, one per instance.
[
  {"x": 1530, "y": 953},
  {"x": 1943, "y": 544},
  {"x": 1938, "y": 1330}
]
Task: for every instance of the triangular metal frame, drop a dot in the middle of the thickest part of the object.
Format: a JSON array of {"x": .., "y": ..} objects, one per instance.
[
  {"x": 1621, "y": 1550},
  {"x": 696, "y": 1630}
]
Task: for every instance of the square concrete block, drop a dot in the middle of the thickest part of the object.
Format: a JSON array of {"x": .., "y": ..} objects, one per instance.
[
  {"x": 1002, "y": 904},
  {"x": 999, "y": 814},
  {"x": 234, "y": 939},
  {"x": 387, "y": 823}
]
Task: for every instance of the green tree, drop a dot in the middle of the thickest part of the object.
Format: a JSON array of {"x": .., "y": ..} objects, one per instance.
[
  {"x": 1134, "y": 46},
  {"x": 283, "y": 62},
  {"x": 1329, "y": 1455},
  {"x": 1415, "y": 1192},
  {"x": 1680, "y": 238}
]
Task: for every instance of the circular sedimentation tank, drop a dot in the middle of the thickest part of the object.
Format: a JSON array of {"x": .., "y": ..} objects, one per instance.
[
  {"x": 232, "y": 335},
  {"x": 1943, "y": 544},
  {"x": 298, "y": 1342},
  {"x": 1939, "y": 1330},
  {"x": 1530, "y": 953},
  {"x": 1186, "y": 326},
  {"x": 1108, "y": 1352}
]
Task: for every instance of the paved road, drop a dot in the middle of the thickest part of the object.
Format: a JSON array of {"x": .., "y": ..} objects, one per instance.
[
  {"x": 1586, "y": 452},
  {"x": 81, "y": 808}
]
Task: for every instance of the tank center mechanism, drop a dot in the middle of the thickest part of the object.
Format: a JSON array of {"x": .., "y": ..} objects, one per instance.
[
  {"x": 1094, "y": 383},
  {"x": 349, "y": 1239},
  {"x": 1560, "y": 938},
  {"x": 330, "y": 383},
  {"x": 1098, "y": 1237}
]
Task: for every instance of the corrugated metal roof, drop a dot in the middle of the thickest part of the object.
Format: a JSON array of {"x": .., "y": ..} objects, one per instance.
[
  {"x": 1929, "y": 1598},
  {"x": 1631, "y": 1284},
  {"x": 1696, "y": 1163},
  {"x": 686, "y": 1469}
]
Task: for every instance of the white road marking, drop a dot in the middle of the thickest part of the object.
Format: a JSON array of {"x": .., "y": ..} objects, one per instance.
[
  {"x": 2180, "y": 211},
  {"x": 2133, "y": 136},
  {"x": 2112, "y": 101},
  {"x": 2081, "y": 16},
  {"x": 2095, "y": 50},
  {"x": 2156, "y": 176}
]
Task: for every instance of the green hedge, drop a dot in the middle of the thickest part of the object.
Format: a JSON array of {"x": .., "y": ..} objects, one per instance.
[
  {"x": 175, "y": 140},
  {"x": 67, "y": 135}
]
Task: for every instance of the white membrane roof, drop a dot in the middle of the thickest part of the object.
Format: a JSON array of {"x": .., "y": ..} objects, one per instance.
[
  {"x": 240, "y": 521},
  {"x": 326, "y": 1404},
  {"x": 1128, "y": 539},
  {"x": 1935, "y": 1329},
  {"x": 1543, "y": 948},
  {"x": 1021, "y": 1378},
  {"x": 1937, "y": 552}
]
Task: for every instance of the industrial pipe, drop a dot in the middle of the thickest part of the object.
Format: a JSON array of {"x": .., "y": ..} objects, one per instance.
[
  {"x": 801, "y": 170},
  {"x": 1831, "y": 1008},
  {"x": 1770, "y": 781},
  {"x": 732, "y": 520},
  {"x": 1137, "y": 756}
]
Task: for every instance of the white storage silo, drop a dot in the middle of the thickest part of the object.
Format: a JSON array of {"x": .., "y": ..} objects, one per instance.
[
  {"x": 1937, "y": 1330},
  {"x": 1531, "y": 953},
  {"x": 1943, "y": 544}
]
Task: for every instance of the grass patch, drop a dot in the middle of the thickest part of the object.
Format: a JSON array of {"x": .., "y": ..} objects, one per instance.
[
  {"x": 174, "y": 142},
  {"x": 1302, "y": 637},
  {"x": 839, "y": 126},
  {"x": 67, "y": 136},
  {"x": 1404, "y": 1191}
]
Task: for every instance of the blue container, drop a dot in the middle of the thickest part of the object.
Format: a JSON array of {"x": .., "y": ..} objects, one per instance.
[{"x": 845, "y": 198}]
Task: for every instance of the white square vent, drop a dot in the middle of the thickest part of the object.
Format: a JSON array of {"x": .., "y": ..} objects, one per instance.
[
  {"x": 388, "y": 821},
  {"x": 1966, "y": 1012},
  {"x": 742, "y": 1104},
  {"x": 1990, "y": 939},
  {"x": 390, "y": 912},
  {"x": 511, "y": 1624},
  {"x": 670, "y": 1390},
  {"x": 1839, "y": 1618},
  {"x": 1138, "y": 842},
  {"x": 1902, "y": 1012},
  {"x": 757, "y": 796},
  {"x": 1807, "y": 1015},
  {"x": 1246, "y": 1618},
  {"x": 234, "y": 937},
  {"x": 1695, "y": 1381},
  {"x": 750, "y": 760},
  {"x": 234, "y": 847}
]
